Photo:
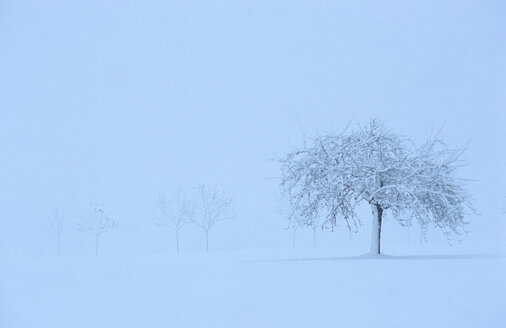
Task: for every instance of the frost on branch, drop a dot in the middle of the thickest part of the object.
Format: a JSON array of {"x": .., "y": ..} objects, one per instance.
[{"x": 372, "y": 164}]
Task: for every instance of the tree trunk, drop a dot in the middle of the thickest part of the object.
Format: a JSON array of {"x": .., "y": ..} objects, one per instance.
[
  {"x": 96, "y": 245},
  {"x": 377, "y": 213}
]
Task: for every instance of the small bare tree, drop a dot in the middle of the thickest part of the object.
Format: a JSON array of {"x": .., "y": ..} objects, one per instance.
[
  {"x": 384, "y": 169},
  {"x": 294, "y": 225},
  {"x": 57, "y": 223},
  {"x": 175, "y": 214},
  {"x": 424, "y": 226},
  {"x": 315, "y": 225},
  {"x": 211, "y": 206},
  {"x": 293, "y": 222},
  {"x": 97, "y": 222}
]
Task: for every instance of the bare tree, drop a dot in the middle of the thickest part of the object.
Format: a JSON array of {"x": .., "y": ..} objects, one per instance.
[
  {"x": 57, "y": 223},
  {"x": 294, "y": 226},
  {"x": 97, "y": 222},
  {"x": 175, "y": 214},
  {"x": 211, "y": 206},
  {"x": 384, "y": 169},
  {"x": 293, "y": 222},
  {"x": 315, "y": 226},
  {"x": 296, "y": 222},
  {"x": 424, "y": 226}
]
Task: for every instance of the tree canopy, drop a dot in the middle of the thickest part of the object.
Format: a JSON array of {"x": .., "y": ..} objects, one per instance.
[{"x": 335, "y": 173}]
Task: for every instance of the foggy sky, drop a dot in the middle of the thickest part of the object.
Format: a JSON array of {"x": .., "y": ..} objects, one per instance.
[{"x": 116, "y": 102}]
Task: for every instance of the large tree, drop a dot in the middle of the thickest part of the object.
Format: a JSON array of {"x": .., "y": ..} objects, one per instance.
[{"x": 372, "y": 164}]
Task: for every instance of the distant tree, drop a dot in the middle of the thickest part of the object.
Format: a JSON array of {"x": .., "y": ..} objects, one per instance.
[
  {"x": 314, "y": 221},
  {"x": 211, "y": 206},
  {"x": 97, "y": 222},
  {"x": 294, "y": 226},
  {"x": 293, "y": 222},
  {"x": 407, "y": 234},
  {"x": 374, "y": 165},
  {"x": 424, "y": 226},
  {"x": 57, "y": 223},
  {"x": 176, "y": 213},
  {"x": 315, "y": 225}
]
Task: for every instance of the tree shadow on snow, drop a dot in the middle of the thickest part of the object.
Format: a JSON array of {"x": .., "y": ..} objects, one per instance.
[{"x": 383, "y": 257}]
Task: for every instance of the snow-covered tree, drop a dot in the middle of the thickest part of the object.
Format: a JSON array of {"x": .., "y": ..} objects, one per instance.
[
  {"x": 57, "y": 223},
  {"x": 375, "y": 165},
  {"x": 175, "y": 214},
  {"x": 211, "y": 206},
  {"x": 96, "y": 222}
]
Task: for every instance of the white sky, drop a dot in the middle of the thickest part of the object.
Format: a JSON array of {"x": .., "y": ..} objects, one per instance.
[{"x": 116, "y": 102}]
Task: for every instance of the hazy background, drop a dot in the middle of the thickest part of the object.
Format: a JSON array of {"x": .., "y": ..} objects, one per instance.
[{"x": 117, "y": 101}]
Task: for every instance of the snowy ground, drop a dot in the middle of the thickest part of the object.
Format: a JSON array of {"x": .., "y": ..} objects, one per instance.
[{"x": 266, "y": 288}]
